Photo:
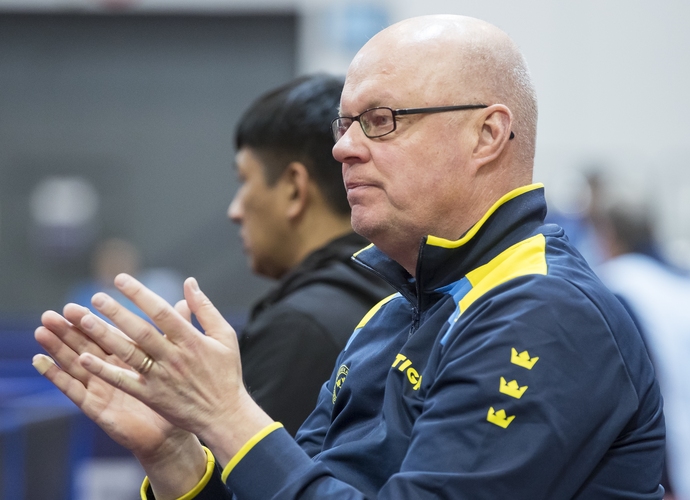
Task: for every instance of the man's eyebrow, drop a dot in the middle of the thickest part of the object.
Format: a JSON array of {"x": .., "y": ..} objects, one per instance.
[{"x": 369, "y": 105}]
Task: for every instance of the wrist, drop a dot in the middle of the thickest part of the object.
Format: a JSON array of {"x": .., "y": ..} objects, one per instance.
[
  {"x": 226, "y": 436},
  {"x": 176, "y": 467}
]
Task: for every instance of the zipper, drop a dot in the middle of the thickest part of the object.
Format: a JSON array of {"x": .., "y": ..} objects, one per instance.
[
  {"x": 415, "y": 321},
  {"x": 416, "y": 310}
]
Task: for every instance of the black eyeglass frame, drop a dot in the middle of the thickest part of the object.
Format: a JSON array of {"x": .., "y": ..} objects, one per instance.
[{"x": 404, "y": 111}]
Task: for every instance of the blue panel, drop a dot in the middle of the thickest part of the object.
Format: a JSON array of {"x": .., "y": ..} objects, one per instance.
[{"x": 458, "y": 290}]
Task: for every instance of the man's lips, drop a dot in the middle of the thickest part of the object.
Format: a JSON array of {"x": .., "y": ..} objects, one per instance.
[{"x": 357, "y": 185}]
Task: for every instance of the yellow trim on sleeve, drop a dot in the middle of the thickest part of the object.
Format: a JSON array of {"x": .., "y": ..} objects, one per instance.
[
  {"x": 210, "y": 465},
  {"x": 374, "y": 310},
  {"x": 247, "y": 447},
  {"x": 444, "y": 243}
]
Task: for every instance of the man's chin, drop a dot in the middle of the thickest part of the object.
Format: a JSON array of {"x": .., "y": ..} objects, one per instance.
[
  {"x": 252, "y": 263},
  {"x": 367, "y": 227}
]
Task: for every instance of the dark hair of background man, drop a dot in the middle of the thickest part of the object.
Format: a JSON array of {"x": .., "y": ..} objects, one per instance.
[{"x": 291, "y": 123}]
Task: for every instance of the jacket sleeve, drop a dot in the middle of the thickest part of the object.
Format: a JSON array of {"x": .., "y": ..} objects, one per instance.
[
  {"x": 286, "y": 358},
  {"x": 313, "y": 432}
]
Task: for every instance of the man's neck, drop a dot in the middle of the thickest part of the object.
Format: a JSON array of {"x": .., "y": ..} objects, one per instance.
[{"x": 319, "y": 232}]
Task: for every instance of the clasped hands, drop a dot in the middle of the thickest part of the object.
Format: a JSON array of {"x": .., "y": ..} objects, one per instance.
[{"x": 154, "y": 393}]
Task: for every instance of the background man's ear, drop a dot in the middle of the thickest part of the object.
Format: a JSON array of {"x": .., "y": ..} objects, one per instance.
[{"x": 296, "y": 180}]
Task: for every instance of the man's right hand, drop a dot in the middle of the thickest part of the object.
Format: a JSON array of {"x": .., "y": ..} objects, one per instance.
[{"x": 172, "y": 457}]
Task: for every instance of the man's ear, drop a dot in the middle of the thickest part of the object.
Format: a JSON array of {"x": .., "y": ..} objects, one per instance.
[
  {"x": 296, "y": 181},
  {"x": 494, "y": 134}
]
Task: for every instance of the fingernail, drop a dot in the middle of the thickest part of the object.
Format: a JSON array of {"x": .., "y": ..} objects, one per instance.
[
  {"x": 121, "y": 280},
  {"x": 194, "y": 285},
  {"x": 98, "y": 300},
  {"x": 88, "y": 322},
  {"x": 42, "y": 362}
]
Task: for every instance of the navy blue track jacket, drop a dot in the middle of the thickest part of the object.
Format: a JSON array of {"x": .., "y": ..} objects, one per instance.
[{"x": 505, "y": 370}]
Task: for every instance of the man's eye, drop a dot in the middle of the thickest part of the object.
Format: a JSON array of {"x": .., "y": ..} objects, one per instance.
[{"x": 380, "y": 120}]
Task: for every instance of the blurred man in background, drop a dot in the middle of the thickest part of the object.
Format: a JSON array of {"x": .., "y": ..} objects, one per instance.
[
  {"x": 659, "y": 296},
  {"x": 112, "y": 256},
  {"x": 295, "y": 227}
]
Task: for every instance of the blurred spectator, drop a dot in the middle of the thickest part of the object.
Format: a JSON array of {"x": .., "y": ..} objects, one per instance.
[
  {"x": 65, "y": 212},
  {"x": 659, "y": 297},
  {"x": 573, "y": 197},
  {"x": 113, "y": 256},
  {"x": 295, "y": 227}
]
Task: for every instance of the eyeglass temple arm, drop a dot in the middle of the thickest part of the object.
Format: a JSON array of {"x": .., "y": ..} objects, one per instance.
[
  {"x": 412, "y": 111},
  {"x": 437, "y": 109}
]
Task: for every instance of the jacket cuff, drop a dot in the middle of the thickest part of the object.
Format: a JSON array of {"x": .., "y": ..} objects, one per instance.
[
  {"x": 248, "y": 446},
  {"x": 273, "y": 468},
  {"x": 146, "y": 491}
]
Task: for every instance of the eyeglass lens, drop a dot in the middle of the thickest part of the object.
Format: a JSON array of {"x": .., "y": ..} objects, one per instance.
[{"x": 375, "y": 122}]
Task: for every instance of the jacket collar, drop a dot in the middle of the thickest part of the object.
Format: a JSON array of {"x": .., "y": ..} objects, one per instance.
[{"x": 511, "y": 219}]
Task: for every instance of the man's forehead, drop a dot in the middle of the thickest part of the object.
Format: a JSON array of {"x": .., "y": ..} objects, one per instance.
[
  {"x": 365, "y": 95},
  {"x": 377, "y": 85},
  {"x": 246, "y": 159},
  {"x": 395, "y": 75}
]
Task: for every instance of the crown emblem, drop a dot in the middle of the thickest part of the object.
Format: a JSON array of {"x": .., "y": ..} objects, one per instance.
[
  {"x": 522, "y": 359},
  {"x": 339, "y": 380},
  {"x": 499, "y": 418},
  {"x": 512, "y": 388}
]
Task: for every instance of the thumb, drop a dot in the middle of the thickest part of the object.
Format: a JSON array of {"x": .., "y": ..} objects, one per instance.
[{"x": 210, "y": 319}]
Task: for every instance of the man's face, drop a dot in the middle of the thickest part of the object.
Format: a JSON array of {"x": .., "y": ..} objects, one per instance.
[
  {"x": 258, "y": 209},
  {"x": 412, "y": 182}
]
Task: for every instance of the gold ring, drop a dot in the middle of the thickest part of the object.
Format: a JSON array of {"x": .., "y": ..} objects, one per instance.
[{"x": 145, "y": 365}]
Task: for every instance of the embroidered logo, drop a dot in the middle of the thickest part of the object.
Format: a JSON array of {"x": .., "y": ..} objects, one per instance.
[
  {"x": 339, "y": 380},
  {"x": 511, "y": 388},
  {"x": 522, "y": 359},
  {"x": 499, "y": 418}
]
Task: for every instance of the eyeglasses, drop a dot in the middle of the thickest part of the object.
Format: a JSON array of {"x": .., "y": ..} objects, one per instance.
[{"x": 380, "y": 121}]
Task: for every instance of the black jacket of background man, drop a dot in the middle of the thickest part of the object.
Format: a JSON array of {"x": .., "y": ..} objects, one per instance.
[{"x": 297, "y": 330}]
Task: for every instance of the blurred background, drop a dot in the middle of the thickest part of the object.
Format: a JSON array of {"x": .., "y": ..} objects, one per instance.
[{"x": 116, "y": 145}]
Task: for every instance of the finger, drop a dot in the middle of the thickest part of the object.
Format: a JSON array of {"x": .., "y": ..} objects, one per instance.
[
  {"x": 210, "y": 319},
  {"x": 66, "y": 357},
  {"x": 120, "y": 378},
  {"x": 74, "y": 313},
  {"x": 68, "y": 385},
  {"x": 183, "y": 310},
  {"x": 67, "y": 330},
  {"x": 137, "y": 332},
  {"x": 170, "y": 322},
  {"x": 106, "y": 335}
]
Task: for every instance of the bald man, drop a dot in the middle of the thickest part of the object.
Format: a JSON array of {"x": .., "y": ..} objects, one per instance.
[{"x": 501, "y": 368}]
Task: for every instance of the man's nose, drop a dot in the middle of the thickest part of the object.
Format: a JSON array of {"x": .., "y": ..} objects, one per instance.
[
  {"x": 235, "y": 210},
  {"x": 352, "y": 146}
]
